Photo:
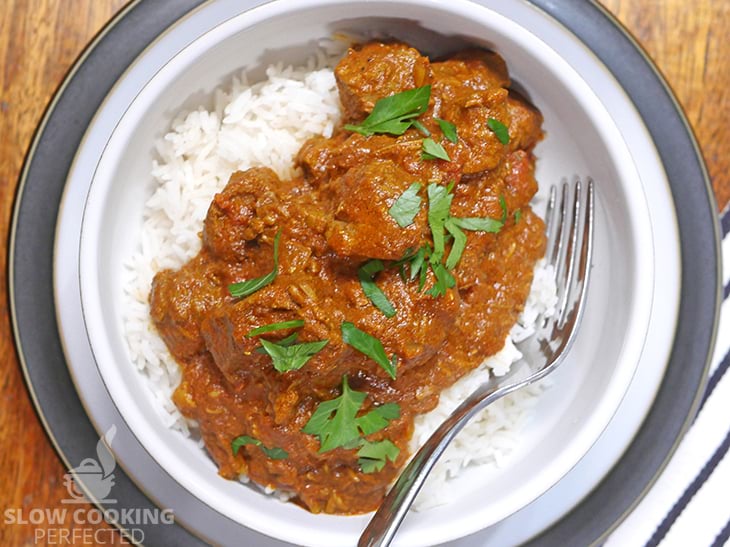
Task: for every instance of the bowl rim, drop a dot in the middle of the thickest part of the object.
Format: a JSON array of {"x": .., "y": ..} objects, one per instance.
[{"x": 87, "y": 265}]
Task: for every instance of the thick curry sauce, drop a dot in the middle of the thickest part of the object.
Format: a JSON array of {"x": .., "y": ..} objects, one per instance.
[{"x": 331, "y": 221}]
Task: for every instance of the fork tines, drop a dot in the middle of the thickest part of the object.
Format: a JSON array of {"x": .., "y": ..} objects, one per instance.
[{"x": 569, "y": 242}]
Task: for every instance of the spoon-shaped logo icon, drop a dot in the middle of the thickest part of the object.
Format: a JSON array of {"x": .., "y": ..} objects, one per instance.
[{"x": 94, "y": 477}]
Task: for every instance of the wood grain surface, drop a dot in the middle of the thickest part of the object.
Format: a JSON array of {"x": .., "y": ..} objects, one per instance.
[{"x": 39, "y": 41}]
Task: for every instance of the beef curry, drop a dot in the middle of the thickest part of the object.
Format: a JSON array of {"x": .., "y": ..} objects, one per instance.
[{"x": 325, "y": 312}]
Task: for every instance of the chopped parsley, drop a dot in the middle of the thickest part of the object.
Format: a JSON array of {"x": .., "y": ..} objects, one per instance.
[
  {"x": 378, "y": 418},
  {"x": 499, "y": 129},
  {"x": 245, "y": 288},
  {"x": 373, "y": 455},
  {"x": 444, "y": 280},
  {"x": 371, "y": 290},
  {"x": 291, "y": 356},
  {"x": 459, "y": 244},
  {"x": 369, "y": 346},
  {"x": 478, "y": 224},
  {"x": 443, "y": 227},
  {"x": 448, "y": 129},
  {"x": 422, "y": 128},
  {"x": 336, "y": 424},
  {"x": 285, "y": 342},
  {"x": 405, "y": 208},
  {"x": 273, "y": 453},
  {"x": 439, "y": 204},
  {"x": 394, "y": 114},
  {"x": 433, "y": 150},
  {"x": 518, "y": 215},
  {"x": 271, "y": 327},
  {"x": 417, "y": 261}
]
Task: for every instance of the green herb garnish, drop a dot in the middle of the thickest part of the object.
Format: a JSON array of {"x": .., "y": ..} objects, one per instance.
[
  {"x": 369, "y": 346},
  {"x": 518, "y": 215},
  {"x": 273, "y": 453},
  {"x": 440, "y": 221},
  {"x": 422, "y": 128},
  {"x": 245, "y": 288},
  {"x": 417, "y": 264},
  {"x": 371, "y": 290},
  {"x": 291, "y": 357},
  {"x": 405, "y": 208},
  {"x": 335, "y": 423},
  {"x": 459, "y": 244},
  {"x": 448, "y": 129},
  {"x": 271, "y": 327},
  {"x": 394, "y": 114},
  {"x": 439, "y": 204},
  {"x": 477, "y": 224},
  {"x": 285, "y": 342},
  {"x": 444, "y": 280},
  {"x": 433, "y": 151},
  {"x": 373, "y": 455},
  {"x": 499, "y": 129},
  {"x": 378, "y": 418}
]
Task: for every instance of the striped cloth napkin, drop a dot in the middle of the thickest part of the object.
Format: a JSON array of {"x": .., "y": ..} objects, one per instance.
[{"x": 690, "y": 503}]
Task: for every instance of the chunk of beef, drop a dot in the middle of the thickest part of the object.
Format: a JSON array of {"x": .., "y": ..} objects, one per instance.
[
  {"x": 249, "y": 204},
  {"x": 525, "y": 126},
  {"x": 176, "y": 314},
  {"x": 376, "y": 70},
  {"x": 362, "y": 225},
  {"x": 467, "y": 94}
]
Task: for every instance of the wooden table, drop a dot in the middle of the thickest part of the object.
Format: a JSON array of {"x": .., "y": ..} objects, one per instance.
[{"x": 40, "y": 39}]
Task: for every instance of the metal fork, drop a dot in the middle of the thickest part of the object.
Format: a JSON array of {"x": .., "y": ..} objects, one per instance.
[{"x": 569, "y": 247}]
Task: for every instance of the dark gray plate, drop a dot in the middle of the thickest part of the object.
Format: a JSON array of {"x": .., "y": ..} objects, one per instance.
[{"x": 59, "y": 134}]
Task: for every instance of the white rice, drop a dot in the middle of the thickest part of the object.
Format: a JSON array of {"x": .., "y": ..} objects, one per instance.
[{"x": 265, "y": 124}]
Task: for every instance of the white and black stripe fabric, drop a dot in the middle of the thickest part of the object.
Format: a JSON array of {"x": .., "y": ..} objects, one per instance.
[{"x": 690, "y": 503}]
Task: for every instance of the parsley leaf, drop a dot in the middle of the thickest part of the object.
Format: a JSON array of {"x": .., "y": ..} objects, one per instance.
[
  {"x": 371, "y": 290},
  {"x": 296, "y": 323},
  {"x": 518, "y": 215},
  {"x": 503, "y": 205},
  {"x": 433, "y": 151},
  {"x": 444, "y": 280},
  {"x": 273, "y": 453},
  {"x": 291, "y": 357},
  {"x": 373, "y": 455},
  {"x": 405, "y": 208},
  {"x": 448, "y": 129},
  {"x": 394, "y": 114},
  {"x": 334, "y": 422},
  {"x": 439, "y": 203},
  {"x": 245, "y": 288},
  {"x": 476, "y": 224},
  {"x": 378, "y": 418},
  {"x": 368, "y": 345},
  {"x": 458, "y": 246},
  {"x": 422, "y": 128},
  {"x": 418, "y": 260},
  {"x": 288, "y": 341},
  {"x": 499, "y": 129}
]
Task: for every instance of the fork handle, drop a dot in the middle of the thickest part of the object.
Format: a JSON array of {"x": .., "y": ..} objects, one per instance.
[{"x": 387, "y": 519}]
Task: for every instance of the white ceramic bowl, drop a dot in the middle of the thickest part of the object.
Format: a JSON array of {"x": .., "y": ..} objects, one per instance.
[{"x": 581, "y": 138}]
